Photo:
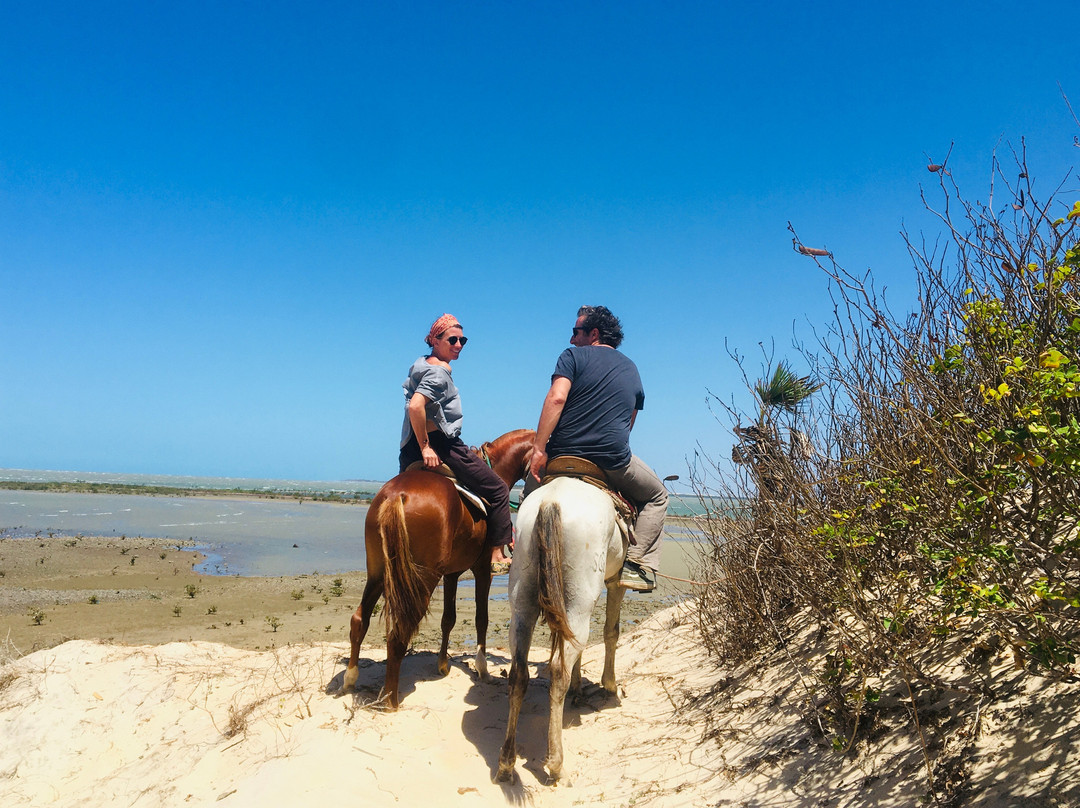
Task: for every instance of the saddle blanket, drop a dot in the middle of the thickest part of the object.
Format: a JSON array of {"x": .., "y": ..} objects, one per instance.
[
  {"x": 471, "y": 498},
  {"x": 467, "y": 495}
]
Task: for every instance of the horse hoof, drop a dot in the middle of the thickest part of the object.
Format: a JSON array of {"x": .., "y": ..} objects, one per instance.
[
  {"x": 481, "y": 667},
  {"x": 351, "y": 675},
  {"x": 444, "y": 667}
]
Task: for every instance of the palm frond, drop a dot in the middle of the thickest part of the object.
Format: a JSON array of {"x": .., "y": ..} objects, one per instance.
[{"x": 785, "y": 390}]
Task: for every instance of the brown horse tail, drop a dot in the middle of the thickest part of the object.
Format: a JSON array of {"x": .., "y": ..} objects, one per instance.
[
  {"x": 552, "y": 595},
  {"x": 406, "y": 603}
]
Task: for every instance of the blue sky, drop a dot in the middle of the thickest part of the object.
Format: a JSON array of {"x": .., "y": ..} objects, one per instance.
[{"x": 226, "y": 227}]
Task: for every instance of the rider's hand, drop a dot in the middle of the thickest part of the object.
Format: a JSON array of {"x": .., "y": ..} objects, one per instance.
[
  {"x": 536, "y": 465},
  {"x": 431, "y": 460}
]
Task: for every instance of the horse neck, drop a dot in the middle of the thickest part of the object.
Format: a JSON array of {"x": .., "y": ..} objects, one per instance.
[{"x": 508, "y": 455}]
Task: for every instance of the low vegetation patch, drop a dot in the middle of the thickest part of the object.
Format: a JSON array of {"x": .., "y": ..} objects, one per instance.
[{"x": 919, "y": 486}]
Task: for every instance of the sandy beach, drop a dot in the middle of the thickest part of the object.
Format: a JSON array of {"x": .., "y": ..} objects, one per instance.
[{"x": 156, "y": 694}]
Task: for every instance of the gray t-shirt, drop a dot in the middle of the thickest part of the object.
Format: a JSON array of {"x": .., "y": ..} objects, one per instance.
[
  {"x": 444, "y": 402},
  {"x": 605, "y": 390}
]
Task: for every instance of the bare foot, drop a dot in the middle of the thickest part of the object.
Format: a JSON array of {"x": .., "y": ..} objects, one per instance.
[{"x": 500, "y": 562}]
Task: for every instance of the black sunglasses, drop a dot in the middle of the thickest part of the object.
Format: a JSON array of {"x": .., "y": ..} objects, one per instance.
[
  {"x": 581, "y": 329},
  {"x": 455, "y": 340}
]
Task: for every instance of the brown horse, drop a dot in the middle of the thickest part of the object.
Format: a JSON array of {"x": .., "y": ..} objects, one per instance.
[{"x": 417, "y": 531}]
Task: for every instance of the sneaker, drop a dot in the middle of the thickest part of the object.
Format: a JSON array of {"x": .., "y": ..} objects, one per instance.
[{"x": 637, "y": 577}]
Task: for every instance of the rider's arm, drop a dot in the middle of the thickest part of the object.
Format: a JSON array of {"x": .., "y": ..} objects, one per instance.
[
  {"x": 554, "y": 402},
  {"x": 419, "y": 423}
]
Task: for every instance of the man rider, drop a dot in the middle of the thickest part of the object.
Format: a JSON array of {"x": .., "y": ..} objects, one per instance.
[{"x": 589, "y": 411}]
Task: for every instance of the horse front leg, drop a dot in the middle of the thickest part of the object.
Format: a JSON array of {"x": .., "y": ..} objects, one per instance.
[
  {"x": 449, "y": 620},
  {"x": 612, "y": 627},
  {"x": 359, "y": 625},
  {"x": 482, "y": 575}
]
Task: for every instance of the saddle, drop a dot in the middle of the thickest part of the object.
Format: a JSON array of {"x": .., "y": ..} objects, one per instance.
[
  {"x": 468, "y": 496},
  {"x": 585, "y": 470}
]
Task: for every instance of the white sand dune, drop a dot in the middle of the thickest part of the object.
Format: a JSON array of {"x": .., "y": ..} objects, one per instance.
[{"x": 88, "y": 724}]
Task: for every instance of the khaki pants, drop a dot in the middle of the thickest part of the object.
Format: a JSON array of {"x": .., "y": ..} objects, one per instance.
[{"x": 640, "y": 484}]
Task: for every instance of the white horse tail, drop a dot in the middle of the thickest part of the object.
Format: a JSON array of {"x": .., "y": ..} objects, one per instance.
[
  {"x": 404, "y": 593},
  {"x": 547, "y": 530}
]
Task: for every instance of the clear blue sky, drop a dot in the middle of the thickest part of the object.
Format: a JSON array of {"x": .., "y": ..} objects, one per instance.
[{"x": 225, "y": 227}]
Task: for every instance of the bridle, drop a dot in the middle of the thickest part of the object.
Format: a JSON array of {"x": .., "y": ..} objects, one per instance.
[{"x": 486, "y": 457}]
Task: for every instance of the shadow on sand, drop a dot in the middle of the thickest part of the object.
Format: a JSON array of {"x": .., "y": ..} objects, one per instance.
[{"x": 484, "y": 725}]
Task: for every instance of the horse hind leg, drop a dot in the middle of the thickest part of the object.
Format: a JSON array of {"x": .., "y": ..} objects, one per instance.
[
  {"x": 397, "y": 643},
  {"x": 575, "y": 680},
  {"x": 519, "y": 683},
  {"x": 523, "y": 622},
  {"x": 359, "y": 625},
  {"x": 395, "y": 652},
  {"x": 561, "y": 676},
  {"x": 615, "y": 594}
]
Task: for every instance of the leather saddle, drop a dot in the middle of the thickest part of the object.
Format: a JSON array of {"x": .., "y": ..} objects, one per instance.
[{"x": 587, "y": 471}]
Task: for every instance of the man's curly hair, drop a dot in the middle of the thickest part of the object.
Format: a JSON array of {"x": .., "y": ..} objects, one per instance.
[{"x": 601, "y": 318}]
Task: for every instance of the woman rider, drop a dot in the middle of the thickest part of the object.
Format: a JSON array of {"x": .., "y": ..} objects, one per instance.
[{"x": 433, "y": 425}]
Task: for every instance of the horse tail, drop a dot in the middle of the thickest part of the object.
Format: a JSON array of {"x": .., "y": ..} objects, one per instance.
[
  {"x": 404, "y": 593},
  {"x": 552, "y": 590}
]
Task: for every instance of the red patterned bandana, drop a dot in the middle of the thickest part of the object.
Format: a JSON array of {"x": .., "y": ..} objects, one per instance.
[{"x": 441, "y": 326}]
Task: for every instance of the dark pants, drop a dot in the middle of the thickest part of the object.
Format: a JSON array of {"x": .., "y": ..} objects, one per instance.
[{"x": 474, "y": 474}]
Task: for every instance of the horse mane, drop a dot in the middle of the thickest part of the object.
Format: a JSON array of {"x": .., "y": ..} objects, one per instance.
[
  {"x": 406, "y": 598},
  {"x": 551, "y": 597}
]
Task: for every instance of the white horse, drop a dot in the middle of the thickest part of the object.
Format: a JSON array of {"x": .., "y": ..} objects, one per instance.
[{"x": 569, "y": 545}]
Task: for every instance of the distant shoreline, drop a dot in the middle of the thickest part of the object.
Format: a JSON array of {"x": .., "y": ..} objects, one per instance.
[{"x": 80, "y": 487}]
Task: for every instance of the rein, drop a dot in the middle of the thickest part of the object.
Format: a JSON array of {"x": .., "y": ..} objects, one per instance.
[{"x": 482, "y": 450}]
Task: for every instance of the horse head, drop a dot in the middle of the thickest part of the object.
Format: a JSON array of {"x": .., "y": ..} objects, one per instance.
[{"x": 509, "y": 455}]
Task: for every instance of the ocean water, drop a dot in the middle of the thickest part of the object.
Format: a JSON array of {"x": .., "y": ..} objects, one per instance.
[{"x": 239, "y": 535}]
